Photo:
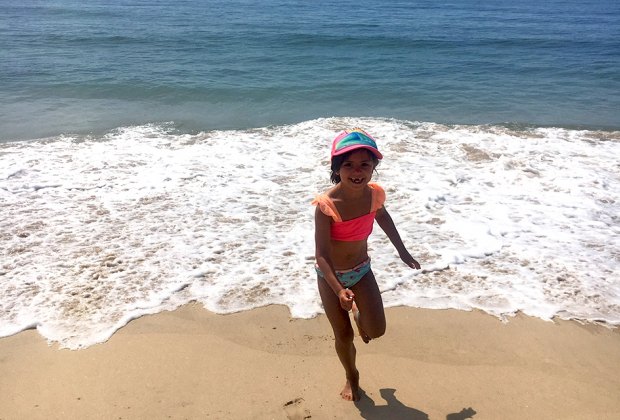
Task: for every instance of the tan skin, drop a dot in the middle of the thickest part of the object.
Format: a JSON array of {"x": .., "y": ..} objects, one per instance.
[{"x": 352, "y": 197}]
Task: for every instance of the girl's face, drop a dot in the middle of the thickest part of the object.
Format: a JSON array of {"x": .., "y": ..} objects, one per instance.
[{"x": 357, "y": 169}]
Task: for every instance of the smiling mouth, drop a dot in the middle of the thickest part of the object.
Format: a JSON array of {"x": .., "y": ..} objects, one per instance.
[{"x": 356, "y": 180}]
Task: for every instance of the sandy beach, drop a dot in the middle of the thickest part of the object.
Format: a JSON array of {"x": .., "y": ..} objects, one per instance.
[{"x": 261, "y": 364}]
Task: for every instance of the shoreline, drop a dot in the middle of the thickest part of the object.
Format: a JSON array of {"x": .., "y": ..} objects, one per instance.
[
  {"x": 262, "y": 364},
  {"x": 195, "y": 130}
]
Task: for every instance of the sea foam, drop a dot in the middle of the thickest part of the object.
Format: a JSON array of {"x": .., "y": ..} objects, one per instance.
[{"x": 98, "y": 231}]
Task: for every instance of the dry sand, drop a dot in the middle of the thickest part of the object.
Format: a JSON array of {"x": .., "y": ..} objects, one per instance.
[{"x": 192, "y": 364}]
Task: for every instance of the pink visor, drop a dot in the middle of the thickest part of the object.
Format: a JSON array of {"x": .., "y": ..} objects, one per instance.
[{"x": 352, "y": 140}]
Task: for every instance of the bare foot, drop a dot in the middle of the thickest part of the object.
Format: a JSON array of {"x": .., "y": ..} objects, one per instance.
[
  {"x": 351, "y": 390},
  {"x": 356, "y": 317}
]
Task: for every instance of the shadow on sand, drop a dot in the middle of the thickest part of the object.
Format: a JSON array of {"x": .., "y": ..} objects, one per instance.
[
  {"x": 396, "y": 410},
  {"x": 464, "y": 414},
  {"x": 393, "y": 410}
]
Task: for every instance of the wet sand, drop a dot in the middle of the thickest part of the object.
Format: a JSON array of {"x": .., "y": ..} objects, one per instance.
[{"x": 260, "y": 364}]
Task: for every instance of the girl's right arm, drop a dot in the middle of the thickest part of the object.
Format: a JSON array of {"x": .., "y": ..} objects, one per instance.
[{"x": 322, "y": 238}]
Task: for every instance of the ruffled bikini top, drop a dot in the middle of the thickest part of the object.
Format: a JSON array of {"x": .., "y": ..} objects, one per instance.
[{"x": 357, "y": 229}]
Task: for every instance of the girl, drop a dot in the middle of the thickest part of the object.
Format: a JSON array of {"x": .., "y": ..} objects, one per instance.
[{"x": 343, "y": 221}]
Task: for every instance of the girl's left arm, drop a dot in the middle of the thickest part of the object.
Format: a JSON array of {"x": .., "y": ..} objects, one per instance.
[{"x": 386, "y": 223}]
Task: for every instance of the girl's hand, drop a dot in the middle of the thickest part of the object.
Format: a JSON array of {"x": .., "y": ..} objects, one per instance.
[
  {"x": 346, "y": 299},
  {"x": 409, "y": 260}
]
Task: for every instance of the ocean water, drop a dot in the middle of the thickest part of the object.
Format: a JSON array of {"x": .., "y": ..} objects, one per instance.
[
  {"x": 157, "y": 153},
  {"x": 71, "y": 67}
]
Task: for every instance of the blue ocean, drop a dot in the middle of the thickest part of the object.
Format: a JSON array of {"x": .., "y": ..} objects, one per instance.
[
  {"x": 91, "y": 66},
  {"x": 155, "y": 153}
]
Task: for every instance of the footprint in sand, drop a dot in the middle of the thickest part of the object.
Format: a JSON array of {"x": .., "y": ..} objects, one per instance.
[{"x": 295, "y": 410}]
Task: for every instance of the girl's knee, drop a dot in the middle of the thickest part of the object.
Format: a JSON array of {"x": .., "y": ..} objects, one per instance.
[
  {"x": 376, "y": 331},
  {"x": 344, "y": 335},
  {"x": 373, "y": 328}
]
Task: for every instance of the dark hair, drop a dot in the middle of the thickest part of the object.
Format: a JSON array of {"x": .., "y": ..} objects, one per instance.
[{"x": 337, "y": 162}]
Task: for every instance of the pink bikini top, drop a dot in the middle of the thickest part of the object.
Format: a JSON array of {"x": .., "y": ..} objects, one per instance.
[{"x": 357, "y": 229}]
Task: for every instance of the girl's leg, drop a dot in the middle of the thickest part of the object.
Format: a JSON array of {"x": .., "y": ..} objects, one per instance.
[
  {"x": 370, "y": 316},
  {"x": 343, "y": 334}
]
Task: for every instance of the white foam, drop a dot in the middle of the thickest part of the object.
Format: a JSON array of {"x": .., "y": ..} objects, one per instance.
[{"x": 97, "y": 232}]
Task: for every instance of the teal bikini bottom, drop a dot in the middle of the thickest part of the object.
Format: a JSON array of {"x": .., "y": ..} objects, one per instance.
[{"x": 349, "y": 278}]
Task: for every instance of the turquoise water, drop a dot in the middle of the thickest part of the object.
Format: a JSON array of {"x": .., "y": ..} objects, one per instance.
[{"x": 90, "y": 67}]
